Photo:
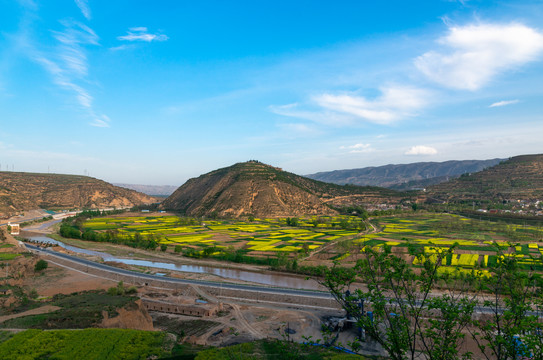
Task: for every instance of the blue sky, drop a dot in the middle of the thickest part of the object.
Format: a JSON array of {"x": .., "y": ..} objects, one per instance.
[{"x": 156, "y": 92}]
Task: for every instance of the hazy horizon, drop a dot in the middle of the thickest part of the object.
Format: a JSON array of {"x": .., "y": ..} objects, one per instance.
[{"x": 159, "y": 92}]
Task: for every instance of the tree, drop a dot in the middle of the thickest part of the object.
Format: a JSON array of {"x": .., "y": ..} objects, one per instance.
[
  {"x": 292, "y": 221},
  {"x": 406, "y": 320},
  {"x": 513, "y": 296},
  {"x": 41, "y": 265}
]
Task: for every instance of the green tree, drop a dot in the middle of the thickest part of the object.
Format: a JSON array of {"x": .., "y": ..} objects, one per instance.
[
  {"x": 406, "y": 320},
  {"x": 41, "y": 265},
  {"x": 292, "y": 221},
  {"x": 513, "y": 328}
]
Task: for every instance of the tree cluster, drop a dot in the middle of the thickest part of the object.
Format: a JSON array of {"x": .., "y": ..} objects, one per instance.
[
  {"x": 399, "y": 308},
  {"x": 135, "y": 240}
]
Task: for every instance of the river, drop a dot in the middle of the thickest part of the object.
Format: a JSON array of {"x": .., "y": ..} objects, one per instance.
[{"x": 278, "y": 280}]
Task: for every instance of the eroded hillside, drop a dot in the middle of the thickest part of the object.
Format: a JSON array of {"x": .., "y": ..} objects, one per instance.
[
  {"x": 263, "y": 190},
  {"x": 24, "y": 191}
]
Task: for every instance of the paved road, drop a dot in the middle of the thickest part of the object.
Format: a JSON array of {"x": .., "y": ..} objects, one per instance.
[{"x": 216, "y": 284}]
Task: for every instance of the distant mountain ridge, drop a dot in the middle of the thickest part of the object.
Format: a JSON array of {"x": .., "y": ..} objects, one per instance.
[
  {"x": 405, "y": 176},
  {"x": 254, "y": 188},
  {"x": 152, "y": 190},
  {"x": 21, "y": 191}
]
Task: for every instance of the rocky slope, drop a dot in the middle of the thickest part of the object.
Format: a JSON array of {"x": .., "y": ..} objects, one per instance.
[
  {"x": 132, "y": 316},
  {"x": 24, "y": 191},
  {"x": 405, "y": 176},
  {"x": 265, "y": 191},
  {"x": 519, "y": 178}
]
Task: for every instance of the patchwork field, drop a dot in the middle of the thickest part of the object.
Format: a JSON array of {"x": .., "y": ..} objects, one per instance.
[
  {"x": 476, "y": 240},
  {"x": 256, "y": 238}
]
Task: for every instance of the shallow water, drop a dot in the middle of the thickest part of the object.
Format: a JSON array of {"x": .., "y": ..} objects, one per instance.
[{"x": 255, "y": 277}]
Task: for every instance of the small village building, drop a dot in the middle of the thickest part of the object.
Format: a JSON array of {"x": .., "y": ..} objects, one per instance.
[
  {"x": 15, "y": 228},
  {"x": 198, "y": 309}
]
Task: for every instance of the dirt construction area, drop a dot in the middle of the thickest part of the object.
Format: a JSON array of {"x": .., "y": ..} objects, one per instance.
[{"x": 220, "y": 320}]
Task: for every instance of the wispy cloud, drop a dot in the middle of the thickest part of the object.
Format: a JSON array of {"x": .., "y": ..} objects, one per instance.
[
  {"x": 358, "y": 148},
  {"x": 141, "y": 34},
  {"x": 394, "y": 103},
  {"x": 84, "y": 7},
  {"x": 100, "y": 121},
  {"x": 504, "y": 103},
  {"x": 473, "y": 55},
  {"x": 421, "y": 150},
  {"x": 70, "y": 49},
  {"x": 121, "y": 47},
  {"x": 68, "y": 65},
  {"x": 29, "y": 4},
  {"x": 324, "y": 117},
  {"x": 298, "y": 129}
]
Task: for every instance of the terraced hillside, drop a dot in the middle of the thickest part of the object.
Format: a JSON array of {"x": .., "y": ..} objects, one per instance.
[
  {"x": 266, "y": 191},
  {"x": 24, "y": 191},
  {"x": 519, "y": 178}
]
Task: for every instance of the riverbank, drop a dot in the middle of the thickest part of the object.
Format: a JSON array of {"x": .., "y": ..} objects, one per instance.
[{"x": 175, "y": 266}]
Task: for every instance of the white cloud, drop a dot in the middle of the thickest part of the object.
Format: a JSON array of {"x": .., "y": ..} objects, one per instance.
[
  {"x": 70, "y": 50},
  {"x": 421, "y": 150},
  {"x": 84, "y": 7},
  {"x": 324, "y": 117},
  {"x": 474, "y": 54},
  {"x": 503, "y": 103},
  {"x": 121, "y": 47},
  {"x": 68, "y": 65},
  {"x": 358, "y": 148},
  {"x": 395, "y": 102},
  {"x": 100, "y": 121},
  {"x": 141, "y": 34}
]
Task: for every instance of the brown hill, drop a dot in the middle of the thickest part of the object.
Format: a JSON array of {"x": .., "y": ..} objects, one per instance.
[
  {"x": 24, "y": 191},
  {"x": 265, "y": 191},
  {"x": 518, "y": 178}
]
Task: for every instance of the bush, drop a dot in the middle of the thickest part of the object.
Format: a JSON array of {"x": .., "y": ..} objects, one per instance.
[
  {"x": 112, "y": 291},
  {"x": 33, "y": 294},
  {"x": 41, "y": 265}
]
